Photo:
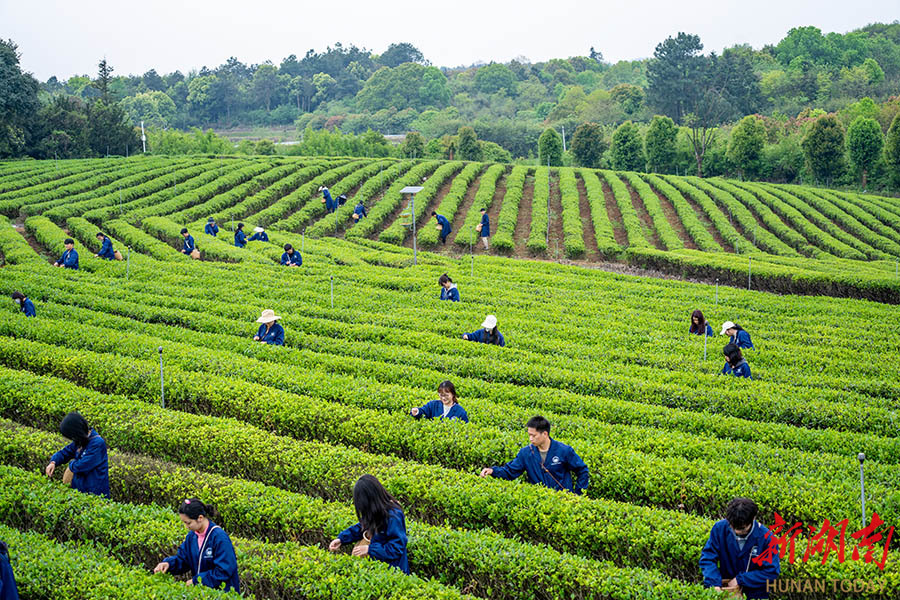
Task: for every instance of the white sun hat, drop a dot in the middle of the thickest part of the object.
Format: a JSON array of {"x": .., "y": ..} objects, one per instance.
[
  {"x": 258, "y": 229},
  {"x": 490, "y": 322},
  {"x": 726, "y": 326},
  {"x": 267, "y": 316}
]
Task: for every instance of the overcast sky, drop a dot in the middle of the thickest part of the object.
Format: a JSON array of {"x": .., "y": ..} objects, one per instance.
[{"x": 65, "y": 38}]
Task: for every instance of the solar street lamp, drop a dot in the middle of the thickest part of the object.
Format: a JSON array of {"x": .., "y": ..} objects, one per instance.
[{"x": 412, "y": 190}]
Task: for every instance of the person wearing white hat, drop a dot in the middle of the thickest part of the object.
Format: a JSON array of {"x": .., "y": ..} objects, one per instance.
[
  {"x": 330, "y": 205},
  {"x": 737, "y": 335},
  {"x": 259, "y": 234},
  {"x": 488, "y": 334},
  {"x": 270, "y": 331}
]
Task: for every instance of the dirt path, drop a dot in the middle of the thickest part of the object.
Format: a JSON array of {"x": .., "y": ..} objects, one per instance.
[
  {"x": 426, "y": 220},
  {"x": 615, "y": 215},
  {"x": 464, "y": 209},
  {"x": 556, "y": 248},
  {"x": 704, "y": 219},
  {"x": 591, "y": 252},
  {"x": 494, "y": 211},
  {"x": 523, "y": 223},
  {"x": 19, "y": 225},
  {"x": 674, "y": 220},
  {"x": 647, "y": 223}
]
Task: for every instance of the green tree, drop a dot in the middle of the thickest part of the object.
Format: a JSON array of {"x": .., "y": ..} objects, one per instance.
[
  {"x": 404, "y": 52},
  {"x": 745, "y": 148},
  {"x": 588, "y": 145},
  {"x": 627, "y": 148},
  {"x": 659, "y": 144},
  {"x": 550, "y": 149},
  {"x": 155, "y": 109},
  {"x": 674, "y": 75},
  {"x": 495, "y": 77},
  {"x": 109, "y": 130},
  {"x": 892, "y": 151},
  {"x": 824, "y": 148},
  {"x": 18, "y": 102},
  {"x": 414, "y": 145},
  {"x": 629, "y": 97},
  {"x": 864, "y": 144},
  {"x": 265, "y": 84},
  {"x": 102, "y": 83},
  {"x": 265, "y": 146},
  {"x": 468, "y": 144},
  {"x": 409, "y": 85}
]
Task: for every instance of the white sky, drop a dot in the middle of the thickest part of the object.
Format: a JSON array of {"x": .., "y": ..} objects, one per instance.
[{"x": 65, "y": 38}]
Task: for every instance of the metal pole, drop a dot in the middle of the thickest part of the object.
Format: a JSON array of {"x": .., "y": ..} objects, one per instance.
[
  {"x": 717, "y": 291},
  {"x": 548, "y": 200},
  {"x": 412, "y": 210},
  {"x": 303, "y": 241},
  {"x": 143, "y": 137},
  {"x": 705, "y": 339},
  {"x": 749, "y": 270},
  {"x": 862, "y": 487},
  {"x": 128, "y": 264},
  {"x": 332, "y": 290},
  {"x": 564, "y": 137},
  {"x": 162, "y": 381}
]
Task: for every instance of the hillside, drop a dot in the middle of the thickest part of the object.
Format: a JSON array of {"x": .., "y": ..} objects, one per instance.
[{"x": 275, "y": 437}]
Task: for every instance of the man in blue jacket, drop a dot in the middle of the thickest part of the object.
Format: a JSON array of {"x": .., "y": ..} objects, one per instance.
[
  {"x": 69, "y": 258},
  {"x": 188, "y": 245},
  {"x": 485, "y": 228},
  {"x": 25, "y": 304},
  {"x": 106, "y": 247},
  {"x": 211, "y": 228},
  {"x": 727, "y": 558},
  {"x": 291, "y": 258},
  {"x": 544, "y": 461},
  {"x": 445, "y": 226}
]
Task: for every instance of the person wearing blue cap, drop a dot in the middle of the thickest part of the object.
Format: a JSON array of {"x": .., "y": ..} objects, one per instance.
[{"x": 211, "y": 228}]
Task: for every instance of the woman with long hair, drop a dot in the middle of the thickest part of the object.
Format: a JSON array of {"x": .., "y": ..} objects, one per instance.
[
  {"x": 735, "y": 363},
  {"x": 448, "y": 288},
  {"x": 446, "y": 407},
  {"x": 206, "y": 552},
  {"x": 381, "y": 527},
  {"x": 697, "y": 324},
  {"x": 24, "y": 303},
  {"x": 88, "y": 464},
  {"x": 488, "y": 334}
]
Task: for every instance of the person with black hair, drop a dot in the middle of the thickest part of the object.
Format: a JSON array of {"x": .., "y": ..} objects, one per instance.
[
  {"x": 25, "y": 305},
  {"x": 444, "y": 224},
  {"x": 726, "y": 560},
  {"x": 484, "y": 228},
  {"x": 735, "y": 363},
  {"x": 381, "y": 527},
  {"x": 488, "y": 334},
  {"x": 446, "y": 407},
  {"x": 330, "y": 205},
  {"x": 188, "y": 245},
  {"x": 359, "y": 211},
  {"x": 737, "y": 335},
  {"x": 240, "y": 238},
  {"x": 207, "y": 551},
  {"x": 699, "y": 324},
  {"x": 69, "y": 258},
  {"x": 448, "y": 288},
  {"x": 88, "y": 465},
  {"x": 291, "y": 258},
  {"x": 8, "y": 589},
  {"x": 106, "y": 247},
  {"x": 544, "y": 461}
]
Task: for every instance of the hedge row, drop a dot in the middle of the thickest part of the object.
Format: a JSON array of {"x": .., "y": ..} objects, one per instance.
[
  {"x": 664, "y": 230},
  {"x": 143, "y": 242},
  {"x": 451, "y": 202},
  {"x": 209, "y": 247},
  {"x": 484, "y": 198},
  {"x": 573, "y": 229},
  {"x": 540, "y": 208},
  {"x": 603, "y": 228},
  {"x": 686, "y": 214},
  {"x": 630, "y": 220},
  {"x": 13, "y": 247},
  {"x": 502, "y": 238},
  {"x": 395, "y": 233},
  {"x": 390, "y": 201}
]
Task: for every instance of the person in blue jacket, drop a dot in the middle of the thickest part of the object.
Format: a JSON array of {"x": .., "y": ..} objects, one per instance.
[
  {"x": 25, "y": 305},
  {"x": 240, "y": 238},
  {"x": 735, "y": 363},
  {"x": 69, "y": 258},
  {"x": 8, "y": 589},
  {"x": 445, "y": 226},
  {"x": 211, "y": 228},
  {"x": 726, "y": 560},
  {"x": 188, "y": 244},
  {"x": 448, "y": 288},
  {"x": 88, "y": 465},
  {"x": 270, "y": 332},
  {"x": 545, "y": 461},
  {"x": 381, "y": 527},
  {"x": 291, "y": 258},
  {"x": 330, "y": 205},
  {"x": 488, "y": 334},
  {"x": 207, "y": 552},
  {"x": 259, "y": 234},
  {"x": 485, "y": 228},
  {"x": 699, "y": 324},
  {"x": 106, "y": 247},
  {"x": 359, "y": 212},
  {"x": 737, "y": 335},
  {"x": 447, "y": 407}
]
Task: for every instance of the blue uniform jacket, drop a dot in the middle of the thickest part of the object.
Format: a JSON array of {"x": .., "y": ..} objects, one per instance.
[
  {"x": 294, "y": 259},
  {"x": 445, "y": 225},
  {"x": 741, "y": 370},
  {"x": 189, "y": 245},
  {"x": 69, "y": 259},
  {"x": 329, "y": 203},
  {"x": 218, "y": 565},
  {"x": 741, "y": 340},
  {"x": 361, "y": 210},
  {"x": 240, "y": 238},
  {"x": 555, "y": 473},
  {"x": 709, "y": 331},
  {"x": 275, "y": 335},
  {"x": 482, "y": 337},
  {"x": 435, "y": 409},
  {"x": 485, "y": 226},
  {"x": 89, "y": 464},
  {"x": 8, "y": 590},
  {"x": 721, "y": 559},
  {"x": 211, "y": 229},
  {"x": 452, "y": 294},
  {"x": 106, "y": 250},
  {"x": 28, "y": 308},
  {"x": 388, "y": 546},
  {"x": 261, "y": 236}
]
